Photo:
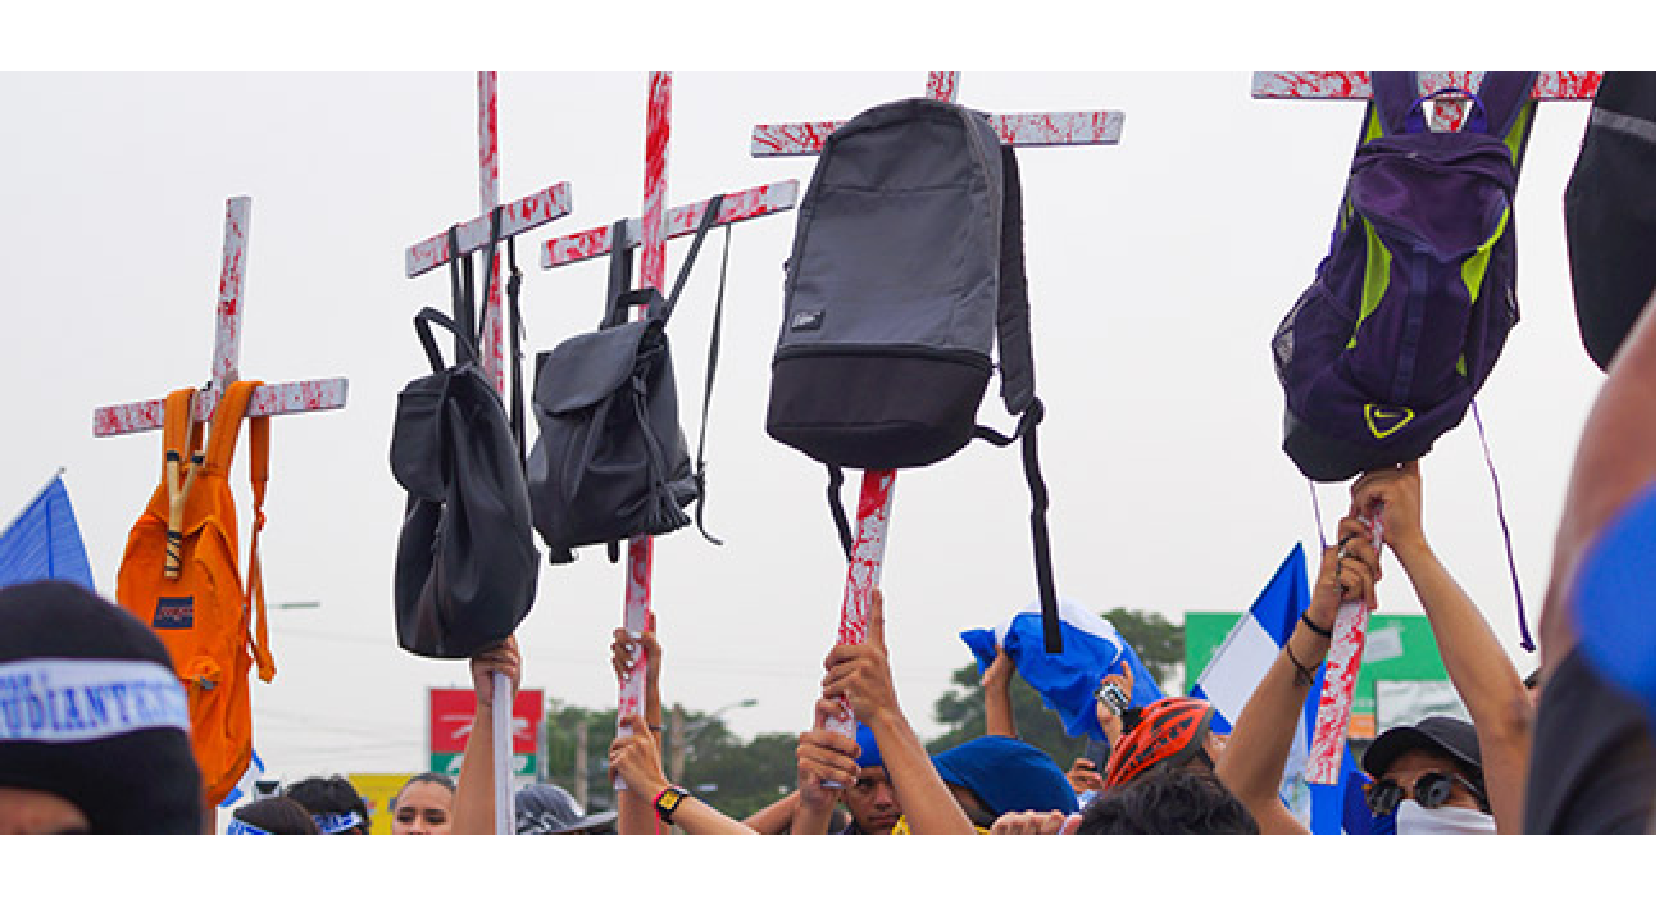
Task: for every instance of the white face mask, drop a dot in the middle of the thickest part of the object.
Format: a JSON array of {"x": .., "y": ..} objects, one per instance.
[{"x": 1413, "y": 819}]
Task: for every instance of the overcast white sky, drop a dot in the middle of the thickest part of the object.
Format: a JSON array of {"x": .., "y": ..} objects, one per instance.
[{"x": 1158, "y": 271}]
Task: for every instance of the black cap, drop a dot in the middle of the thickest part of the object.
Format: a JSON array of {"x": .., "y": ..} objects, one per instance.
[
  {"x": 1445, "y": 735},
  {"x": 547, "y": 808}
]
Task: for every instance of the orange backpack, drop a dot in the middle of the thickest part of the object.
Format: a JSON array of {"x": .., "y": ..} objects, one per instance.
[{"x": 180, "y": 576}]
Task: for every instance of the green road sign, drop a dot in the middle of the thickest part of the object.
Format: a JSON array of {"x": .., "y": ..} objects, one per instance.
[
  {"x": 449, "y": 763},
  {"x": 1398, "y": 648}
]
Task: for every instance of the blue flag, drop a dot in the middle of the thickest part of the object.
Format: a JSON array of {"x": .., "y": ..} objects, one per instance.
[
  {"x": 1239, "y": 665},
  {"x": 1066, "y": 681},
  {"x": 44, "y": 542}
]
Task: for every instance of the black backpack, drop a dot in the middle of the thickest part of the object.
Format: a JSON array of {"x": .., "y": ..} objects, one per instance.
[
  {"x": 907, "y": 269},
  {"x": 1608, "y": 214},
  {"x": 466, "y": 565},
  {"x": 610, "y": 462}
]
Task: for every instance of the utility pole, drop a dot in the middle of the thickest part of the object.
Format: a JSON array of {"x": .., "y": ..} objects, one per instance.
[
  {"x": 676, "y": 741},
  {"x": 579, "y": 791}
]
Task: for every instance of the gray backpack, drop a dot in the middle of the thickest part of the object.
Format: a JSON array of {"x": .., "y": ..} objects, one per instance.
[
  {"x": 610, "y": 461},
  {"x": 907, "y": 269}
]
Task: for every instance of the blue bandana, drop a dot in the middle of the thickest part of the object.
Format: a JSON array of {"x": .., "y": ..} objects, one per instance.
[
  {"x": 1008, "y": 775},
  {"x": 237, "y": 826},
  {"x": 337, "y": 822}
]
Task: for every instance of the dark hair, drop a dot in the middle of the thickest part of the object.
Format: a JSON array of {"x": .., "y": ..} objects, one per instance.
[
  {"x": 328, "y": 796},
  {"x": 442, "y": 780},
  {"x": 1168, "y": 801},
  {"x": 278, "y": 815}
]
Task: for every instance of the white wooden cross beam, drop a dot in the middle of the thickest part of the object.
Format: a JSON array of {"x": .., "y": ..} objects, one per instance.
[
  {"x": 650, "y": 233},
  {"x": 874, "y": 503},
  {"x": 268, "y": 400},
  {"x": 1346, "y": 647},
  {"x": 520, "y": 216}
]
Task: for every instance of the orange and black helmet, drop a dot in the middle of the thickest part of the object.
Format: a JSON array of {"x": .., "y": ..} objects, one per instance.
[{"x": 1170, "y": 732}]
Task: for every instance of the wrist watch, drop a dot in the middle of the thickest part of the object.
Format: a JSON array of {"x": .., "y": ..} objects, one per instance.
[{"x": 667, "y": 802}]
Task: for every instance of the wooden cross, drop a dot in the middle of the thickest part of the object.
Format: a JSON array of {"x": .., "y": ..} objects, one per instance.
[
  {"x": 520, "y": 216},
  {"x": 267, "y": 400},
  {"x": 874, "y": 503},
  {"x": 1346, "y": 647},
  {"x": 650, "y": 233}
]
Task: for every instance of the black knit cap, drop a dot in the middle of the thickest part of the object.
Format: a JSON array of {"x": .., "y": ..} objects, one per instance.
[{"x": 140, "y": 779}]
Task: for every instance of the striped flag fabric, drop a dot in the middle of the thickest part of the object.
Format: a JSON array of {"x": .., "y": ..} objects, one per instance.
[{"x": 44, "y": 542}]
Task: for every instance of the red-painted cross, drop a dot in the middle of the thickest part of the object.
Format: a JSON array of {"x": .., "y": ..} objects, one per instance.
[
  {"x": 268, "y": 400},
  {"x": 874, "y": 504},
  {"x": 520, "y": 216},
  {"x": 1347, "y": 646},
  {"x": 650, "y": 233}
]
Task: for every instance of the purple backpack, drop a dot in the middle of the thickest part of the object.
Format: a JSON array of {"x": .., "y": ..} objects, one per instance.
[{"x": 1404, "y": 321}]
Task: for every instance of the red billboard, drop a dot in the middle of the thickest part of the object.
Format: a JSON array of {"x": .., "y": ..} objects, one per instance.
[{"x": 451, "y": 719}]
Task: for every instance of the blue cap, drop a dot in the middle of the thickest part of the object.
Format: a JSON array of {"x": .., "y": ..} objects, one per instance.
[{"x": 1008, "y": 775}]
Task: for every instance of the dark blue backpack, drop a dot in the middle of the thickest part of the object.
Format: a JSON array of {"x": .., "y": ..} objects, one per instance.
[{"x": 1409, "y": 311}]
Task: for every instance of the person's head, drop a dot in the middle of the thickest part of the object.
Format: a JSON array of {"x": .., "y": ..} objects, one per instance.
[
  {"x": 870, "y": 801},
  {"x": 424, "y": 805},
  {"x": 333, "y": 803},
  {"x": 547, "y": 808},
  {"x": 272, "y": 815},
  {"x": 1432, "y": 776},
  {"x": 1168, "y": 801},
  {"x": 1172, "y": 733},
  {"x": 994, "y": 775},
  {"x": 94, "y": 724}
]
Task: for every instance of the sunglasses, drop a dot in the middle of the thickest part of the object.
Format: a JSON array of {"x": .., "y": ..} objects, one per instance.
[{"x": 1431, "y": 790}]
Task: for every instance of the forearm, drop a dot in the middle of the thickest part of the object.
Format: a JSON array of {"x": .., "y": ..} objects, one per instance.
[
  {"x": 998, "y": 710},
  {"x": 1482, "y": 674},
  {"x": 813, "y": 814},
  {"x": 775, "y": 817},
  {"x": 474, "y": 807},
  {"x": 693, "y": 815},
  {"x": 927, "y": 804},
  {"x": 1258, "y": 750},
  {"x": 636, "y": 811}
]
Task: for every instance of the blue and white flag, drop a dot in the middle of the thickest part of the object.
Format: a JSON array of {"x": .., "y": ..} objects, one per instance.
[
  {"x": 44, "y": 542},
  {"x": 1066, "y": 681},
  {"x": 1243, "y": 660}
]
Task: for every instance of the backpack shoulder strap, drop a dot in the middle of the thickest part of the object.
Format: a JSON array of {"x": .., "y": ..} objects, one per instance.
[
  {"x": 226, "y": 424},
  {"x": 258, "y": 454},
  {"x": 1012, "y": 318},
  {"x": 1505, "y": 96},
  {"x": 1392, "y": 108},
  {"x": 1018, "y": 385},
  {"x": 180, "y": 434}
]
